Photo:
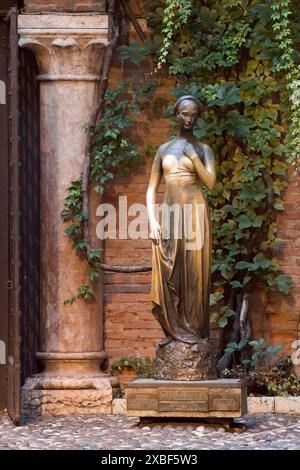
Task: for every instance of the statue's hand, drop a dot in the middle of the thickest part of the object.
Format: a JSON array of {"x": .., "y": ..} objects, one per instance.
[
  {"x": 190, "y": 151},
  {"x": 155, "y": 232}
]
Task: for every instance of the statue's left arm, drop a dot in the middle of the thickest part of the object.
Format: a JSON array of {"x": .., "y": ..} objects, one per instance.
[{"x": 207, "y": 170}]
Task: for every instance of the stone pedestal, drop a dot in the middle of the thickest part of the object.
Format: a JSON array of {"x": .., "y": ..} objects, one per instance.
[
  {"x": 224, "y": 398},
  {"x": 44, "y": 395},
  {"x": 69, "y": 49}
]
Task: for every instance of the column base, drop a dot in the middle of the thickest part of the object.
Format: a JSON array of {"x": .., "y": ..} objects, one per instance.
[
  {"x": 72, "y": 363},
  {"x": 44, "y": 395}
]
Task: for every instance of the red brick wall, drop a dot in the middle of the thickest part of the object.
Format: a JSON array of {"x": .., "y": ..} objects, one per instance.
[
  {"x": 129, "y": 325},
  {"x": 275, "y": 315},
  {"x": 33, "y": 6}
]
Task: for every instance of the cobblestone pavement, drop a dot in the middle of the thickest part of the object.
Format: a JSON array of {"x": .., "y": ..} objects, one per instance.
[{"x": 264, "y": 431}]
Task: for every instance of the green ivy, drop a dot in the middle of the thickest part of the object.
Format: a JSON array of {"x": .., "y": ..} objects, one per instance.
[
  {"x": 241, "y": 59},
  {"x": 232, "y": 55},
  {"x": 175, "y": 14},
  {"x": 288, "y": 65},
  {"x": 113, "y": 154}
]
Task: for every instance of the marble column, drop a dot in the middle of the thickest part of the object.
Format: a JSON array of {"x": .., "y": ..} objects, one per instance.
[{"x": 69, "y": 49}]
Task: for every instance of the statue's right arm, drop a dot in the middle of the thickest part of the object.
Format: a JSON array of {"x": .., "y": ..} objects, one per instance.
[{"x": 155, "y": 178}]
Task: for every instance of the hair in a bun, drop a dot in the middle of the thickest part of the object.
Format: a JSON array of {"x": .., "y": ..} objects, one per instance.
[{"x": 190, "y": 98}]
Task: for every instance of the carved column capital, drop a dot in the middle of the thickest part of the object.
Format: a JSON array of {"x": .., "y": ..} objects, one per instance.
[{"x": 67, "y": 47}]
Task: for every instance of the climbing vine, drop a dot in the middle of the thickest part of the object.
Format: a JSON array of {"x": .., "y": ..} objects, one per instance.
[
  {"x": 175, "y": 15},
  {"x": 241, "y": 59},
  {"x": 108, "y": 153},
  {"x": 112, "y": 154},
  {"x": 281, "y": 15}
]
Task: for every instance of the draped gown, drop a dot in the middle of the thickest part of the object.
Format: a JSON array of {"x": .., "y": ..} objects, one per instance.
[{"x": 181, "y": 269}]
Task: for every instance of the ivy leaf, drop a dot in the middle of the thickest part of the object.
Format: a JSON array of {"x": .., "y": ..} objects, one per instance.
[
  {"x": 70, "y": 301},
  {"x": 66, "y": 215},
  {"x": 279, "y": 168},
  {"x": 94, "y": 274},
  {"x": 242, "y": 265},
  {"x": 134, "y": 53},
  {"x": 222, "y": 322},
  {"x": 283, "y": 283},
  {"x": 258, "y": 221},
  {"x": 246, "y": 280},
  {"x": 273, "y": 350},
  {"x": 258, "y": 344},
  {"x": 261, "y": 261},
  {"x": 278, "y": 204},
  {"x": 79, "y": 245},
  {"x": 236, "y": 284},
  {"x": 244, "y": 221},
  {"x": 277, "y": 244},
  {"x": 227, "y": 94},
  {"x": 215, "y": 297},
  {"x": 226, "y": 311},
  {"x": 94, "y": 256},
  {"x": 261, "y": 12},
  {"x": 231, "y": 347},
  {"x": 73, "y": 230}
]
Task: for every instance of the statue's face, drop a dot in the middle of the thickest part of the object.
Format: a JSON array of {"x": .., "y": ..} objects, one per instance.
[{"x": 188, "y": 113}]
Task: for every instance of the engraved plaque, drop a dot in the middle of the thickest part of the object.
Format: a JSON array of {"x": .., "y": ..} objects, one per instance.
[
  {"x": 183, "y": 406},
  {"x": 228, "y": 401},
  {"x": 212, "y": 399},
  {"x": 141, "y": 401},
  {"x": 183, "y": 395}
]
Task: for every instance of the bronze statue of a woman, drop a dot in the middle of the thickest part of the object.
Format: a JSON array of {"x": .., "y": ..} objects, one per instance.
[{"x": 181, "y": 274}]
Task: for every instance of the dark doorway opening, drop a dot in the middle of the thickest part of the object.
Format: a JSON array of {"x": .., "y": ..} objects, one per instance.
[
  {"x": 4, "y": 210},
  {"x": 20, "y": 216},
  {"x": 29, "y": 203}
]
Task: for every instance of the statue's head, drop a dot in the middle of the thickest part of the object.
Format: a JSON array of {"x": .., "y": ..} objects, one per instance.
[{"x": 187, "y": 109}]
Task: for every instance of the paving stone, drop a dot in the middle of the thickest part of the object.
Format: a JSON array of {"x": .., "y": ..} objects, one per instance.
[{"x": 264, "y": 431}]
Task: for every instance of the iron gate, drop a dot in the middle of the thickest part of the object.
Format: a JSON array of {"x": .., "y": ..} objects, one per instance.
[
  {"x": 23, "y": 282},
  {"x": 30, "y": 214},
  {"x": 13, "y": 370},
  {"x": 4, "y": 205}
]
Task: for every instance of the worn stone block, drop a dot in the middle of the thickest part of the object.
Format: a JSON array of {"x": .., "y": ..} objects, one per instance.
[
  {"x": 67, "y": 402},
  {"x": 37, "y": 6},
  {"x": 210, "y": 398},
  {"x": 287, "y": 405},
  {"x": 261, "y": 405},
  {"x": 119, "y": 406},
  {"x": 66, "y": 396}
]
